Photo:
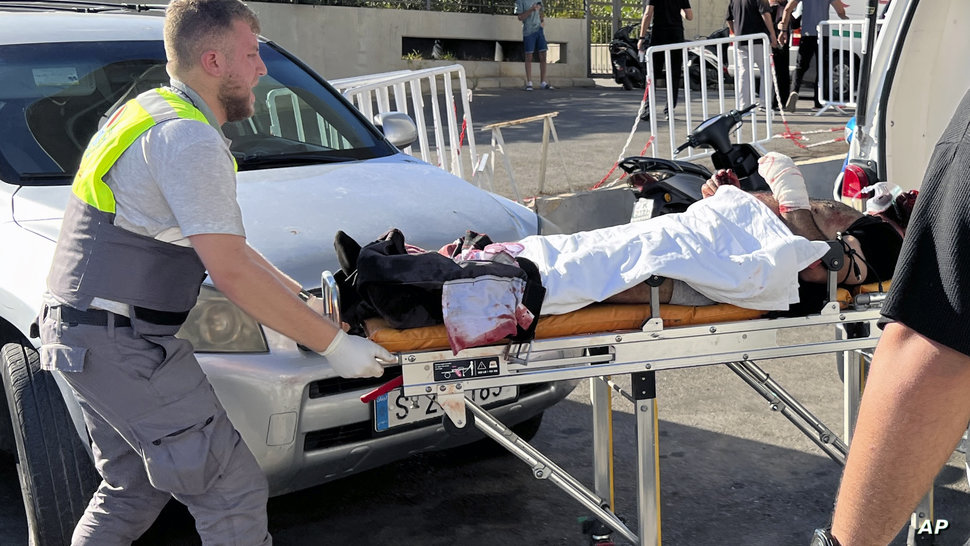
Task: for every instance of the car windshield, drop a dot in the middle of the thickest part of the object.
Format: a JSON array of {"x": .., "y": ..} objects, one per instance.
[{"x": 54, "y": 96}]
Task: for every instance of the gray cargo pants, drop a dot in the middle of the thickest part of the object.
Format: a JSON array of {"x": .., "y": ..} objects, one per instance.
[{"x": 158, "y": 431}]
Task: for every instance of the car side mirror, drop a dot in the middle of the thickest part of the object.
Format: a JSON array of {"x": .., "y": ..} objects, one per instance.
[{"x": 397, "y": 127}]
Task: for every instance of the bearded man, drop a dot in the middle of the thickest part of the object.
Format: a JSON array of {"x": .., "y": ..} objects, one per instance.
[{"x": 153, "y": 208}]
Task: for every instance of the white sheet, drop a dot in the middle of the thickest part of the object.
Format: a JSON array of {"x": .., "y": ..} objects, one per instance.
[{"x": 729, "y": 247}]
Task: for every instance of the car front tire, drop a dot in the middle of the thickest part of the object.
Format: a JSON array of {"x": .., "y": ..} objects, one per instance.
[{"x": 57, "y": 477}]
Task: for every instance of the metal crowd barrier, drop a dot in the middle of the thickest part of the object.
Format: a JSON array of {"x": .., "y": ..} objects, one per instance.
[
  {"x": 839, "y": 61},
  {"x": 443, "y": 119},
  {"x": 712, "y": 89}
]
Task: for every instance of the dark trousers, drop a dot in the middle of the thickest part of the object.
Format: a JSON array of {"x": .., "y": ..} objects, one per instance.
[
  {"x": 780, "y": 57},
  {"x": 807, "y": 49},
  {"x": 666, "y": 36}
]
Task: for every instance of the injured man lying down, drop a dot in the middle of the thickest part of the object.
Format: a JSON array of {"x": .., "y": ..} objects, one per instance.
[{"x": 754, "y": 250}]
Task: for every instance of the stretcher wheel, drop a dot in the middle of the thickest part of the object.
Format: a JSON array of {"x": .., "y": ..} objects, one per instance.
[
  {"x": 454, "y": 430},
  {"x": 597, "y": 531}
]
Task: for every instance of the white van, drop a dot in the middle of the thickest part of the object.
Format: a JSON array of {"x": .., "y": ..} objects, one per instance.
[
  {"x": 916, "y": 82},
  {"x": 841, "y": 48}
]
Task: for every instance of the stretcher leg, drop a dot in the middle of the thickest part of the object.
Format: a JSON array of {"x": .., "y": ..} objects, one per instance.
[
  {"x": 648, "y": 463},
  {"x": 601, "y": 401},
  {"x": 853, "y": 367},
  {"x": 854, "y": 376},
  {"x": 544, "y": 469},
  {"x": 781, "y": 400},
  {"x": 921, "y": 520}
]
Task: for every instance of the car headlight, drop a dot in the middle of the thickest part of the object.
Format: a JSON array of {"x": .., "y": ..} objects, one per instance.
[{"x": 216, "y": 325}]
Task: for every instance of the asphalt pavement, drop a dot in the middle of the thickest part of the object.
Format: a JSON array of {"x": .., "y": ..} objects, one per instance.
[
  {"x": 732, "y": 471},
  {"x": 595, "y": 126}
]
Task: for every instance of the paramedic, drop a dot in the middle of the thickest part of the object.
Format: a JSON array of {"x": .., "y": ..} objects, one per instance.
[
  {"x": 153, "y": 206},
  {"x": 915, "y": 405}
]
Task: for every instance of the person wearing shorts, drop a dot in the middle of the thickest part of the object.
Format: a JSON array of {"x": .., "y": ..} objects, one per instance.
[{"x": 533, "y": 39}]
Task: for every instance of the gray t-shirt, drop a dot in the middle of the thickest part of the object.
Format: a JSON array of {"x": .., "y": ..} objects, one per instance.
[
  {"x": 177, "y": 180},
  {"x": 813, "y": 13},
  {"x": 532, "y": 23}
]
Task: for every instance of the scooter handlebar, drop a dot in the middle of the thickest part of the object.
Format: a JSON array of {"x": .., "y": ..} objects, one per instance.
[
  {"x": 706, "y": 134},
  {"x": 749, "y": 108},
  {"x": 738, "y": 114}
]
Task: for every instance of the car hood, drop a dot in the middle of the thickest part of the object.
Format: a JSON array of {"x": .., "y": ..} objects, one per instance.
[
  {"x": 293, "y": 218},
  {"x": 291, "y": 215}
]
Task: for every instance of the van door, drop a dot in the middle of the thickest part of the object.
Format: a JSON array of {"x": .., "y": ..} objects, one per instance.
[{"x": 919, "y": 75}]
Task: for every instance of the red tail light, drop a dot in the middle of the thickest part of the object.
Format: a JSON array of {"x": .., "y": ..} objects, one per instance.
[{"x": 853, "y": 180}]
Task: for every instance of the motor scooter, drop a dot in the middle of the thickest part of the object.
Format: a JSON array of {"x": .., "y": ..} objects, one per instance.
[
  {"x": 627, "y": 67},
  {"x": 671, "y": 185},
  {"x": 708, "y": 62}
]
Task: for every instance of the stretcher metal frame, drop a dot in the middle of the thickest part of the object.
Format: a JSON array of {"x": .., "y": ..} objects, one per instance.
[{"x": 641, "y": 353}]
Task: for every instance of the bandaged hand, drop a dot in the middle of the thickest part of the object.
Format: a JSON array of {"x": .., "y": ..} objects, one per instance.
[
  {"x": 785, "y": 180},
  {"x": 723, "y": 177},
  {"x": 354, "y": 356}
]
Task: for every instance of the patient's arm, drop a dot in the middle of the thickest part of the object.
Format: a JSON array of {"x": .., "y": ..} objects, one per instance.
[
  {"x": 822, "y": 222},
  {"x": 802, "y": 222}
]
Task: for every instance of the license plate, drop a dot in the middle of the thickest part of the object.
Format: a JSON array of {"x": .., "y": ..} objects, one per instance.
[{"x": 395, "y": 410}]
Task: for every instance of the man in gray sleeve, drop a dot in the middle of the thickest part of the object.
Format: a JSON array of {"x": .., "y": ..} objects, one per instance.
[{"x": 153, "y": 207}]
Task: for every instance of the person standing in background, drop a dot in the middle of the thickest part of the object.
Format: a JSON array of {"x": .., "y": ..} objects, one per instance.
[
  {"x": 813, "y": 12},
  {"x": 751, "y": 17},
  {"x": 780, "y": 56},
  {"x": 533, "y": 39},
  {"x": 668, "y": 28}
]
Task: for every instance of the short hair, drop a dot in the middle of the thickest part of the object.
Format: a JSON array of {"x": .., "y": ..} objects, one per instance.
[{"x": 192, "y": 26}]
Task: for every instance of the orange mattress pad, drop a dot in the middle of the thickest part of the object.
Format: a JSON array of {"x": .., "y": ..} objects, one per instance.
[{"x": 596, "y": 318}]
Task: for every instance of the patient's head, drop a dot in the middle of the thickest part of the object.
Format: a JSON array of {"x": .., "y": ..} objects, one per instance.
[{"x": 899, "y": 213}]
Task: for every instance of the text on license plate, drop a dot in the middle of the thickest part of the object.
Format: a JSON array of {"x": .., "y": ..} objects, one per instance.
[{"x": 394, "y": 409}]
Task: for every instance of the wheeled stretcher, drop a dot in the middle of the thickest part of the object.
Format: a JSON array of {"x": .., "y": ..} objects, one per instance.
[{"x": 605, "y": 340}]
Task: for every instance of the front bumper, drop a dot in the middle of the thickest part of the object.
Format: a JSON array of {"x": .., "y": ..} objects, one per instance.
[{"x": 307, "y": 427}]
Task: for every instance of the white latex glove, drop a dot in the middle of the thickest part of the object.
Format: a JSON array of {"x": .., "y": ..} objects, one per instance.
[
  {"x": 785, "y": 180},
  {"x": 354, "y": 356}
]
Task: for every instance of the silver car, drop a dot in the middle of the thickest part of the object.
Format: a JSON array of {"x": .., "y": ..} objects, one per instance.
[{"x": 309, "y": 165}]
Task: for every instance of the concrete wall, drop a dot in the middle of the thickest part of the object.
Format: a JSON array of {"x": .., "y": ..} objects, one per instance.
[
  {"x": 341, "y": 42},
  {"x": 708, "y": 17}
]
